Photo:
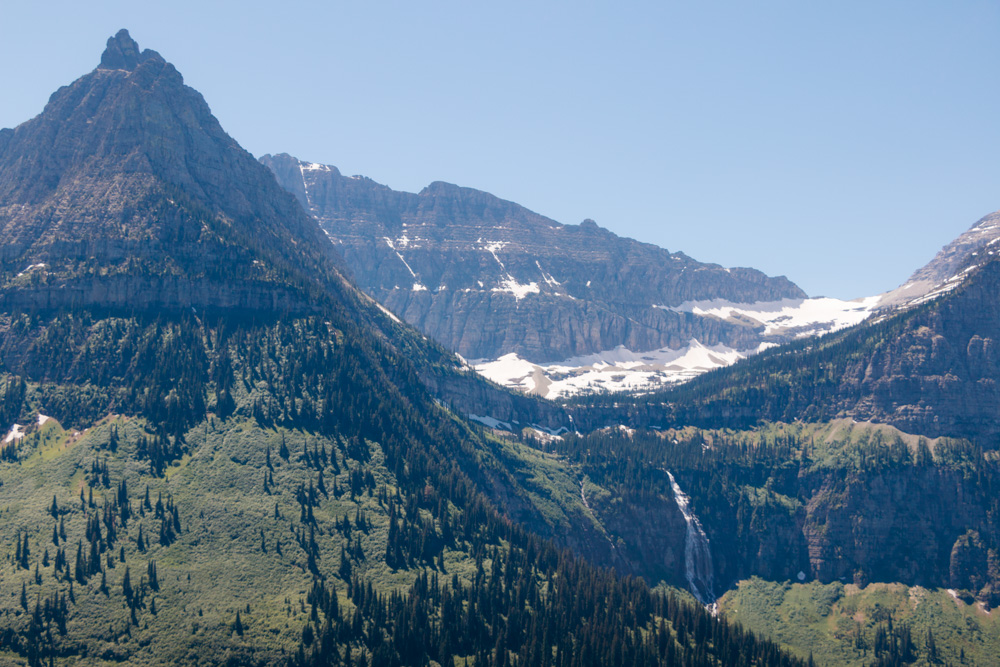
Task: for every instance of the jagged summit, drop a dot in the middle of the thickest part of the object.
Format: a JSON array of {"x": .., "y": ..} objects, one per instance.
[
  {"x": 126, "y": 192},
  {"x": 951, "y": 265},
  {"x": 123, "y": 53}
]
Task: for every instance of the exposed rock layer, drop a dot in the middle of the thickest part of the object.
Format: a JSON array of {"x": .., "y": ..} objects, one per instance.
[{"x": 487, "y": 277}]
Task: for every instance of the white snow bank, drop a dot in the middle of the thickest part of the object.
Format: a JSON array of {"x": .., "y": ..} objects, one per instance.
[
  {"x": 621, "y": 369},
  {"x": 388, "y": 312},
  {"x": 614, "y": 370},
  {"x": 490, "y": 421},
  {"x": 32, "y": 267},
  {"x": 16, "y": 433},
  {"x": 796, "y": 317},
  {"x": 517, "y": 289}
]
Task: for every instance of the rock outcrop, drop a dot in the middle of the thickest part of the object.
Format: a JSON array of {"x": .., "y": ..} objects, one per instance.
[{"x": 971, "y": 249}]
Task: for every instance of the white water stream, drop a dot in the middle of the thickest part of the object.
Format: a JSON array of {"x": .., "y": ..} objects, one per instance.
[{"x": 697, "y": 555}]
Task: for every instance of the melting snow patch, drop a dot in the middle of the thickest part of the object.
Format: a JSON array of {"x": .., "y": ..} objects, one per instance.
[
  {"x": 42, "y": 419},
  {"x": 517, "y": 289},
  {"x": 797, "y": 317},
  {"x": 393, "y": 247},
  {"x": 507, "y": 282},
  {"x": 32, "y": 267},
  {"x": 614, "y": 370},
  {"x": 622, "y": 369},
  {"x": 543, "y": 434},
  {"x": 547, "y": 277},
  {"x": 388, "y": 312},
  {"x": 491, "y": 422},
  {"x": 16, "y": 433}
]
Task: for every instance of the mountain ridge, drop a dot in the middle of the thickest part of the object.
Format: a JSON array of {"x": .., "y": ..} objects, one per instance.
[{"x": 542, "y": 307}]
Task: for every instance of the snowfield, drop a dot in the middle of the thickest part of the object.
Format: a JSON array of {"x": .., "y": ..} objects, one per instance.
[
  {"x": 16, "y": 433},
  {"x": 622, "y": 369},
  {"x": 619, "y": 369},
  {"x": 795, "y": 317}
]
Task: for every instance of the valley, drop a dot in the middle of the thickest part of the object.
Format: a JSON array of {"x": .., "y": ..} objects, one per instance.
[{"x": 256, "y": 412}]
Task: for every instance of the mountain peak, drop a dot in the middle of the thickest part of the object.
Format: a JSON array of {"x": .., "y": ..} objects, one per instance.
[
  {"x": 187, "y": 200},
  {"x": 123, "y": 52}
]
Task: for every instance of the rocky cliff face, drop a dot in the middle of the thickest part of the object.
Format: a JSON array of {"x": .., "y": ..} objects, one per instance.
[
  {"x": 487, "y": 277},
  {"x": 836, "y": 502}
]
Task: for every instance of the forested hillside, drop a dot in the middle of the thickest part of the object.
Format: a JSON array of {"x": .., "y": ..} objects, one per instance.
[{"x": 931, "y": 369}]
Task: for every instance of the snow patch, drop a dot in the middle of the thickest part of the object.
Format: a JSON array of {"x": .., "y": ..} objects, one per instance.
[
  {"x": 621, "y": 369},
  {"x": 508, "y": 283},
  {"x": 547, "y": 277},
  {"x": 32, "y": 267},
  {"x": 388, "y": 312},
  {"x": 795, "y": 317},
  {"x": 517, "y": 289},
  {"x": 42, "y": 419},
  {"x": 393, "y": 247},
  {"x": 614, "y": 370},
  {"x": 16, "y": 433},
  {"x": 490, "y": 422}
]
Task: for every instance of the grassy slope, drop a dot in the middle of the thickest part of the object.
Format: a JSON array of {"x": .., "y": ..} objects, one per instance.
[
  {"x": 219, "y": 491},
  {"x": 824, "y": 619}
]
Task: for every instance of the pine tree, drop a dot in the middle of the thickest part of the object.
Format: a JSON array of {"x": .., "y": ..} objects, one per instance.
[
  {"x": 154, "y": 580},
  {"x": 127, "y": 587}
]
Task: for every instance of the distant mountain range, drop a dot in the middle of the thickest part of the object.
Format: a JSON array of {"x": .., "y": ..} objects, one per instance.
[{"x": 544, "y": 307}]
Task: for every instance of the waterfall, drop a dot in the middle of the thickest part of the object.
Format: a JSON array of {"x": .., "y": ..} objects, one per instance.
[{"x": 697, "y": 555}]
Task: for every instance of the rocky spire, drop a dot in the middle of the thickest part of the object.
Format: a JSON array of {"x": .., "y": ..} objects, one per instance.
[{"x": 123, "y": 52}]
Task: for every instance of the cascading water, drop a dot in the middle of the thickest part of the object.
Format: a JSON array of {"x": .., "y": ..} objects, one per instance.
[{"x": 697, "y": 555}]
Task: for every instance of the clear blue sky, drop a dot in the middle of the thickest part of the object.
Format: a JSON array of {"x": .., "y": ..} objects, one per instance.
[{"x": 840, "y": 144}]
